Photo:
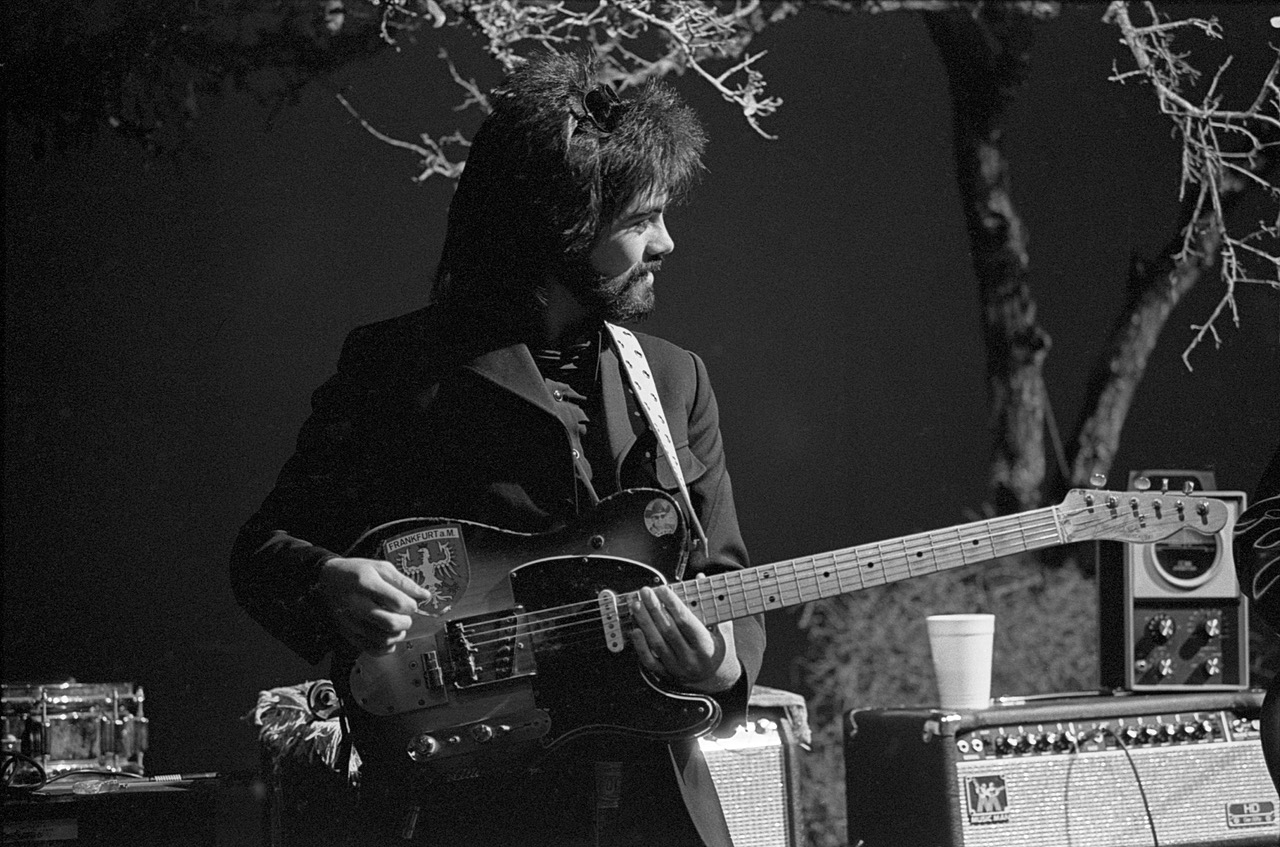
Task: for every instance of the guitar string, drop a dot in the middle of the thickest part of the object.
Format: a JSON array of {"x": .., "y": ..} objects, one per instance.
[
  {"x": 552, "y": 618},
  {"x": 942, "y": 555},
  {"x": 945, "y": 553},
  {"x": 568, "y": 629},
  {"x": 584, "y": 624}
]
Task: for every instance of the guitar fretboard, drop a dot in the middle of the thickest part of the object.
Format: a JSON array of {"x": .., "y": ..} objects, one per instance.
[{"x": 754, "y": 590}]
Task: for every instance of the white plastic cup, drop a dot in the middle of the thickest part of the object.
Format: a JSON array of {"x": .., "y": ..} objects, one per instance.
[{"x": 961, "y": 648}]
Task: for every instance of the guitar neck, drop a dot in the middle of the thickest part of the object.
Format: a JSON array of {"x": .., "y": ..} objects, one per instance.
[{"x": 751, "y": 591}]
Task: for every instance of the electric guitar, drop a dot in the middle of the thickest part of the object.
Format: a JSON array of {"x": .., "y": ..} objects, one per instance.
[{"x": 523, "y": 647}]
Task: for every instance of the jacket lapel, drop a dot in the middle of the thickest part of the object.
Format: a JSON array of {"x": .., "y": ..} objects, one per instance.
[
  {"x": 624, "y": 427},
  {"x": 512, "y": 368}
]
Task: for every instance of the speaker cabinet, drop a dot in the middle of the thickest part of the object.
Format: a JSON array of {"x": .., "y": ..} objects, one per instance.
[
  {"x": 756, "y": 772},
  {"x": 1171, "y": 616},
  {"x": 1097, "y": 770}
]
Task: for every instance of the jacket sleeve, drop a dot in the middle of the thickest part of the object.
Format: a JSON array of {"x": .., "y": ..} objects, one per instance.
[
  {"x": 712, "y": 495},
  {"x": 276, "y": 558}
]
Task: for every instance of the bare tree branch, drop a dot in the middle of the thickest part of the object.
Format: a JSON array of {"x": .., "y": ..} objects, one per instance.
[{"x": 1221, "y": 147}]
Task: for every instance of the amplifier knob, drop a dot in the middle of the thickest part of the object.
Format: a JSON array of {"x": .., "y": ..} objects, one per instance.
[
  {"x": 1003, "y": 745},
  {"x": 481, "y": 732},
  {"x": 1205, "y": 729},
  {"x": 1149, "y": 735},
  {"x": 1213, "y": 666},
  {"x": 1047, "y": 741},
  {"x": 1161, "y": 628},
  {"x": 1025, "y": 743},
  {"x": 1168, "y": 732},
  {"x": 1065, "y": 741},
  {"x": 1131, "y": 734},
  {"x": 1166, "y": 667},
  {"x": 1212, "y": 627},
  {"x": 423, "y": 747}
]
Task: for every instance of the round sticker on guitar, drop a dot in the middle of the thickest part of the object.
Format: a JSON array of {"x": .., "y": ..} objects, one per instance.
[{"x": 660, "y": 517}]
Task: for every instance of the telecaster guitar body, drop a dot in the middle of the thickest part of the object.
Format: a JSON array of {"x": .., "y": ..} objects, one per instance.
[{"x": 515, "y": 654}]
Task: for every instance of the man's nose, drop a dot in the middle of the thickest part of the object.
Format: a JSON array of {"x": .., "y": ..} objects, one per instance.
[{"x": 661, "y": 244}]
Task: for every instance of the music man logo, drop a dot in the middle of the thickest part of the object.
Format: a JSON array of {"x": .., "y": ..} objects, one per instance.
[{"x": 988, "y": 801}]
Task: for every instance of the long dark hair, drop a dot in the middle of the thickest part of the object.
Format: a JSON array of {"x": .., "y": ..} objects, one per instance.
[{"x": 556, "y": 160}]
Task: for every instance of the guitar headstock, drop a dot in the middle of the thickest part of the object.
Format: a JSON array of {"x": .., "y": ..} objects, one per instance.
[{"x": 1138, "y": 517}]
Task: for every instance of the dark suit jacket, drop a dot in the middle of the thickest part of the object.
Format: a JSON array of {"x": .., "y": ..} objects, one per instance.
[{"x": 422, "y": 418}]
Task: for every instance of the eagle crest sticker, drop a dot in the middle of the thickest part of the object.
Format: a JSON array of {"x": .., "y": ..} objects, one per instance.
[
  {"x": 436, "y": 559},
  {"x": 660, "y": 517}
]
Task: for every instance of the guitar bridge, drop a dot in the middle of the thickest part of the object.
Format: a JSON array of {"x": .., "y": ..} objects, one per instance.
[{"x": 490, "y": 649}]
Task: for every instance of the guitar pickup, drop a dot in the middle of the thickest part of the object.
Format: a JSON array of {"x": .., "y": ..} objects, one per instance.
[{"x": 490, "y": 649}]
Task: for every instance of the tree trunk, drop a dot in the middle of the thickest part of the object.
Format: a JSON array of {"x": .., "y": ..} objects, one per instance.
[
  {"x": 985, "y": 52},
  {"x": 1154, "y": 290}
]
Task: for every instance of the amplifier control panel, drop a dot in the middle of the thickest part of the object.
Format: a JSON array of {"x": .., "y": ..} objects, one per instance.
[
  {"x": 1183, "y": 644},
  {"x": 1093, "y": 736}
]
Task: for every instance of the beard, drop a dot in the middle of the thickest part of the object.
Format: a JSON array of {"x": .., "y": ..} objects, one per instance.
[{"x": 626, "y": 297}]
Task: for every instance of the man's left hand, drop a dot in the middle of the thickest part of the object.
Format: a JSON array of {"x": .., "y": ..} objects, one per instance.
[{"x": 671, "y": 642}]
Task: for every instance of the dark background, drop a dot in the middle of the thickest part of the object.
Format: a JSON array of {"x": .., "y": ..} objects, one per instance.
[{"x": 166, "y": 322}]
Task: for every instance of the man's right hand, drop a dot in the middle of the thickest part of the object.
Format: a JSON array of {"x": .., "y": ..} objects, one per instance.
[{"x": 372, "y": 603}]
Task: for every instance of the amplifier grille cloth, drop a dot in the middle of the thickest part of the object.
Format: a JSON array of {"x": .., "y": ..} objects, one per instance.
[
  {"x": 751, "y": 781},
  {"x": 1093, "y": 798}
]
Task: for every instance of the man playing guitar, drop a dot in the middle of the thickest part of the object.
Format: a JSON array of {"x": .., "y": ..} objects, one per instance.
[{"x": 495, "y": 417}]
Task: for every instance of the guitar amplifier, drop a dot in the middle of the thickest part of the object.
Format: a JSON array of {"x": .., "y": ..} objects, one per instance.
[
  {"x": 1097, "y": 770},
  {"x": 757, "y": 774}
]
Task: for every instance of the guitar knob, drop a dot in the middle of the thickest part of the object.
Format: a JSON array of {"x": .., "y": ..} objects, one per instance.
[
  {"x": 423, "y": 747},
  {"x": 481, "y": 733}
]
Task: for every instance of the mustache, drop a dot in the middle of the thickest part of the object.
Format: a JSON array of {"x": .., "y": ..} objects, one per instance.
[{"x": 643, "y": 268}]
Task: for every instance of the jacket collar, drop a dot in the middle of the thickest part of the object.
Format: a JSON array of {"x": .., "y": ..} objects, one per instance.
[{"x": 513, "y": 369}]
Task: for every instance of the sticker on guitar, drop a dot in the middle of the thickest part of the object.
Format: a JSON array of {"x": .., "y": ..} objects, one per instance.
[{"x": 435, "y": 559}]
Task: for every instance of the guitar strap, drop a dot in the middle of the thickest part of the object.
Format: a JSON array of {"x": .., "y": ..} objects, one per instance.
[{"x": 636, "y": 367}]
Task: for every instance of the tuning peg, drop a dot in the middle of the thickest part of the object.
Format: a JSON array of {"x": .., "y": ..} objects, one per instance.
[
  {"x": 1188, "y": 487},
  {"x": 1098, "y": 479},
  {"x": 1142, "y": 484}
]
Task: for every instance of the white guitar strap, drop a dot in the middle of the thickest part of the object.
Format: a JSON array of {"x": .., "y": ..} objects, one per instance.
[{"x": 636, "y": 367}]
